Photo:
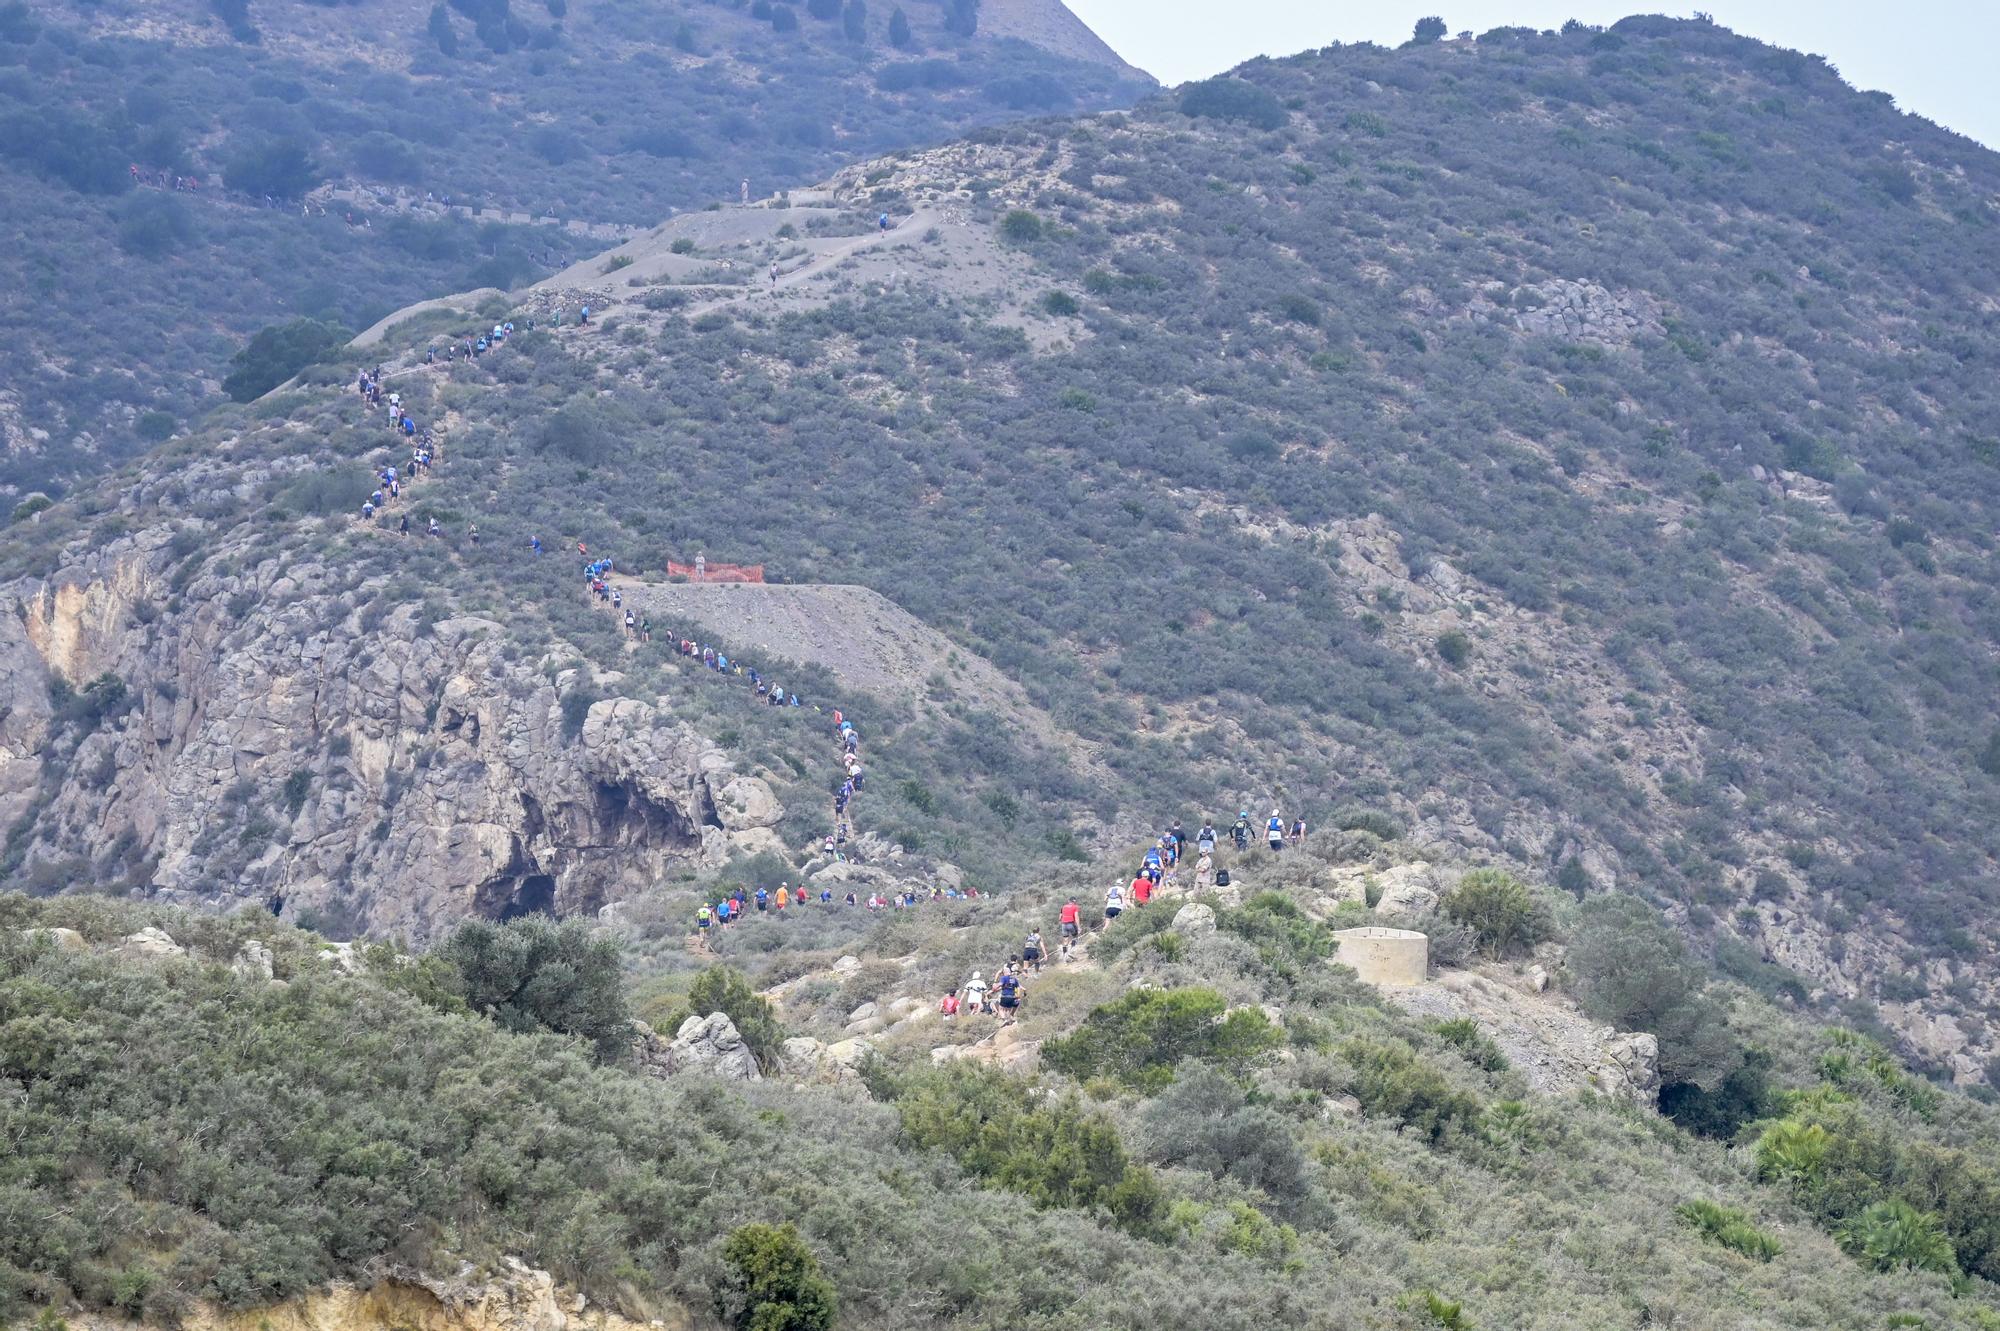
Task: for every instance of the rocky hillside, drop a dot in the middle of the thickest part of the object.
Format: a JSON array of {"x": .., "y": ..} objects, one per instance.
[
  {"x": 1572, "y": 448},
  {"x": 179, "y": 173},
  {"x": 1198, "y": 1099}
]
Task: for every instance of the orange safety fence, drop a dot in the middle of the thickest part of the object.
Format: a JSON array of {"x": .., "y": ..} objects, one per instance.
[{"x": 717, "y": 572}]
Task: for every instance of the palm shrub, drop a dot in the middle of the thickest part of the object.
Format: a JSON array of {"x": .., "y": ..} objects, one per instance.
[
  {"x": 1729, "y": 1227},
  {"x": 1892, "y": 1235}
]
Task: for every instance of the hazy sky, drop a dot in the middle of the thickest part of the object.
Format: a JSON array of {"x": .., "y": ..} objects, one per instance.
[{"x": 1935, "y": 57}]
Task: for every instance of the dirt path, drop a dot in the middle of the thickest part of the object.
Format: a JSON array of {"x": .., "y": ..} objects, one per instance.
[{"x": 820, "y": 262}]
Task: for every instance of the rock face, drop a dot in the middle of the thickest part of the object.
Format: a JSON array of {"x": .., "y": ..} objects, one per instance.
[
  {"x": 267, "y": 732},
  {"x": 709, "y": 1045},
  {"x": 1553, "y": 1045}
]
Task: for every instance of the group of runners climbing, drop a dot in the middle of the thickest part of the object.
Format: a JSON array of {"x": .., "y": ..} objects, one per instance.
[{"x": 389, "y": 481}]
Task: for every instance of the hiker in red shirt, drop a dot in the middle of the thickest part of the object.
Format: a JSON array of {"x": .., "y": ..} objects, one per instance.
[
  {"x": 1070, "y": 928},
  {"x": 1142, "y": 890}
]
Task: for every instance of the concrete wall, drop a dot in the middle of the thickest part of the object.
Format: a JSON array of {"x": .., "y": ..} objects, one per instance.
[{"x": 1385, "y": 956}]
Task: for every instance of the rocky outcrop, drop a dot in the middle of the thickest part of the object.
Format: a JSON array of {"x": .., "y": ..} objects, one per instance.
[
  {"x": 150, "y": 944},
  {"x": 514, "y": 1297},
  {"x": 1005, "y": 1048},
  {"x": 1543, "y": 1035},
  {"x": 815, "y": 1061},
  {"x": 709, "y": 1045},
  {"x": 1579, "y": 311},
  {"x": 1400, "y": 890},
  {"x": 253, "y": 961},
  {"x": 266, "y": 731},
  {"x": 1194, "y": 919}
]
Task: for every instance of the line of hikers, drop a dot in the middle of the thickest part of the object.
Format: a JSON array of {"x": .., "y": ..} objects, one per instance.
[{"x": 389, "y": 481}]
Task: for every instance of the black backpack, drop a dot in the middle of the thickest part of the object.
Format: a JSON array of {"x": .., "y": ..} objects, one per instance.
[{"x": 1222, "y": 878}]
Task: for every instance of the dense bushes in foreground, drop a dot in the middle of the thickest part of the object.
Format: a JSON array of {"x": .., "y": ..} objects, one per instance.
[{"x": 270, "y": 1138}]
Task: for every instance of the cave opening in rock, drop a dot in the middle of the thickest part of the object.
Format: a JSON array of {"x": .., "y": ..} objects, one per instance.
[{"x": 535, "y": 896}]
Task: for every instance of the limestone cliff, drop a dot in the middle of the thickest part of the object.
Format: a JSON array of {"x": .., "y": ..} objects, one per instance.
[{"x": 248, "y": 729}]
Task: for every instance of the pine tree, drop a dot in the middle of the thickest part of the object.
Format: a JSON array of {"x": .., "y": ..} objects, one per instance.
[{"x": 899, "y": 30}]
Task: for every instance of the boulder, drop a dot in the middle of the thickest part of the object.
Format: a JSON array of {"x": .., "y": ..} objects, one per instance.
[
  {"x": 1408, "y": 889},
  {"x": 1633, "y": 1059},
  {"x": 342, "y": 957},
  {"x": 150, "y": 944},
  {"x": 808, "y": 1060},
  {"x": 757, "y": 841},
  {"x": 710, "y": 1045},
  {"x": 253, "y": 961},
  {"x": 861, "y": 1013},
  {"x": 65, "y": 940},
  {"x": 1349, "y": 882},
  {"x": 850, "y": 1054},
  {"x": 847, "y": 965},
  {"x": 1194, "y": 918},
  {"x": 746, "y": 802}
]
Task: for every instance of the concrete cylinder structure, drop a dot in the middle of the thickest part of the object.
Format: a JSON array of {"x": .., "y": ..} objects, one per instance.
[{"x": 1385, "y": 956}]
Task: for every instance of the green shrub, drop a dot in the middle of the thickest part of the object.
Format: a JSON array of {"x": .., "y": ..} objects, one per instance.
[
  {"x": 576, "y": 705},
  {"x": 1392, "y": 1082},
  {"x": 682, "y": 245},
  {"x": 1433, "y": 1309},
  {"x": 27, "y": 508},
  {"x": 1227, "y": 98},
  {"x": 1021, "y": 226},
  {"x": 777, "y": 1284},
  {"x": 276, "y": 353},
  {"x": 1060, "y": 304},
  {"x": 153, "y": 225},
  {"x": 1053, "y": 1152},
  {"x": 1633, "y": 971},
  {"x": 1349, "y": 818},
  {"x": 534, "y": 974},
  {"x": 1729, "y": 1227},
  {"x": 281, "y": 168},
  {"x": 1501, "y": 910},
  {"x": 1453, "y": 648},
  {"x": 1286, "y": 938},
  {"x": 1140, "y": 1038}
]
